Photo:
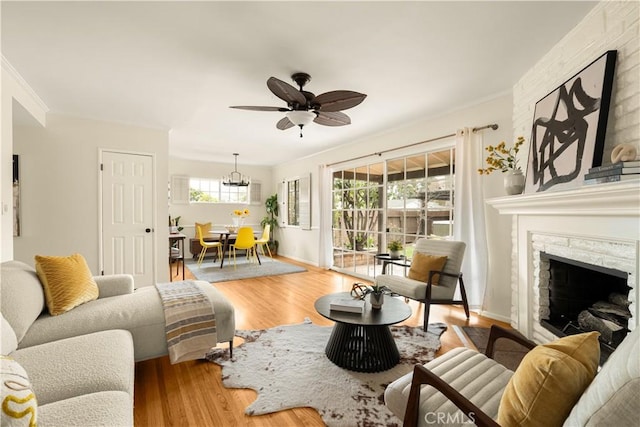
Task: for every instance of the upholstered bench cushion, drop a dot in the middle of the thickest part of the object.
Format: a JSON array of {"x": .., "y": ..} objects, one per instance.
[
  {"x": 477, "y": 377},
  {"x": 85, "y": 364},
  {"x": 106, "y": 408}
]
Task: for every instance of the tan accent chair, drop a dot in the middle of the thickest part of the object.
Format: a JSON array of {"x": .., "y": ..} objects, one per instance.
[{"x": 448, "y": 278}]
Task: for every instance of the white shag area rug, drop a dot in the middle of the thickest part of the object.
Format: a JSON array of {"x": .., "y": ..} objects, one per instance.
[{"x": 288, "y": 368}]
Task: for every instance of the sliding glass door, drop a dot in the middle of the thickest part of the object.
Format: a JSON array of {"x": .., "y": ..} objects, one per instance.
[
  {"x": 401, "y": 199},
  {"x": 357, "y": 217}
]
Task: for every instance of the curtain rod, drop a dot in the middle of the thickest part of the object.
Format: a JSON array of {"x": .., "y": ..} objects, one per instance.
[{"x": 492, "y": 126}]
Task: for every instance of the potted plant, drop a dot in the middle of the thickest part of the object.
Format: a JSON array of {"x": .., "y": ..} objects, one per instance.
[
  {"x": 505, "y": 159},
  {"x": 376, "y": 295},
  {"x": 271, "y": 206},
  {"x": 395, "y": 249}
]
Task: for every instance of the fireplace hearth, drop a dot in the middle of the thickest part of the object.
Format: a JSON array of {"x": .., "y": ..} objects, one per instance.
[{"x": 585, "y": 297}]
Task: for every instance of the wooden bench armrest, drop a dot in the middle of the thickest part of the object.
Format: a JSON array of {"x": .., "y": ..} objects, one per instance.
[
  {"x": 422, "y": 375},
  {"x": 497, "y": 332}
]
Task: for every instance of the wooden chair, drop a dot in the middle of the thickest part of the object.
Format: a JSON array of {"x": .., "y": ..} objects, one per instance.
[
  {"x": 470, "y": 384},
  {"x": 448, "y": 278}
]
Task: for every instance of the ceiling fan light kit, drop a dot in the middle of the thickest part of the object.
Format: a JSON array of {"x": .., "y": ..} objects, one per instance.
[
  {"x": 235, "y": 178},
  {"x": 304, "y": 107},
  {"x": 300, "y": 118}
]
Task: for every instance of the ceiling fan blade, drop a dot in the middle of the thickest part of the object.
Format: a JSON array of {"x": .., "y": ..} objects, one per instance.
[
  {"x": 285, "y": 91},
  {"x": 338, "y": 100},
  {"x": 333, "y": 118},
  {"x": 284, "y": 124},
  {"x": 255, "y": 108}
]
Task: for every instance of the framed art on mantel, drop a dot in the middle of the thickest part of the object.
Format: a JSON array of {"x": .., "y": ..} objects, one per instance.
[{"x": 569, "y": 126}]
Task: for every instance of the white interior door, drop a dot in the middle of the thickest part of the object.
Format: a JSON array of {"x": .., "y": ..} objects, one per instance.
[{"x": 127, "y": 216}]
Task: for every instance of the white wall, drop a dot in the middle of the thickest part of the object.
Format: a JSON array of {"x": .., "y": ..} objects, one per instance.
[
  {"x": 304, "y": 245},
  {"x": 609, "y": 26},
  {"x": 14, "y": 90},
  {"x": 218, "y": 213},
  {"x": 60, "y": 186}
]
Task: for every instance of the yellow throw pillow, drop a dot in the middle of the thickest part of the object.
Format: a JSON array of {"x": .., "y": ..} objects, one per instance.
[
  {"x": 422, "y": 264},
  {"x": 206, "y": 228},
  {"x": 549, "y": 381},
  {"x": 19, "y": 404},
  {"x": 67, "y": 282}
]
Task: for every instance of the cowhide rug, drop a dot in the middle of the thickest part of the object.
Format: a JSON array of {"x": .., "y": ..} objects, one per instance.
[{"x": 288, "y": 368}]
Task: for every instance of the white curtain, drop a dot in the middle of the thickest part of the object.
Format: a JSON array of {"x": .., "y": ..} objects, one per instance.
[
  {"x": 325, "y": 258},
  {"x": 469, "y": 221}
]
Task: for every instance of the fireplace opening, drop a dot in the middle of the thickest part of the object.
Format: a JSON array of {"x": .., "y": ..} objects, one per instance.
[{"x": 585, "y": 297}]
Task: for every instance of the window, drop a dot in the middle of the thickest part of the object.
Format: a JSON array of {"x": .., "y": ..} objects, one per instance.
[
  {"x": 401, "y": 199},
  {"x": 296, "y": 196},
  {"x": 357, "y": 217},
  {"x": 204, "y": 190},
  {"x": 293, "y": 202}
]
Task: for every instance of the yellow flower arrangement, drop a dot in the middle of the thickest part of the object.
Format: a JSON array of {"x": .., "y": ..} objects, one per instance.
[
  {"x": 241, "y": 213},
  {"x": 501, "y": 158}
]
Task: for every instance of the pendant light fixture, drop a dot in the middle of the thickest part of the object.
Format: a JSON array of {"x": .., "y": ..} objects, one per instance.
[{"x": 235, "y": 178}]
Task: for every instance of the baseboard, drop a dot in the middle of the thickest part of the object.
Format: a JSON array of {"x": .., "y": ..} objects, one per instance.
[
  {"x": 306, "y": 261},
  {"x": 494, "y": 316}
]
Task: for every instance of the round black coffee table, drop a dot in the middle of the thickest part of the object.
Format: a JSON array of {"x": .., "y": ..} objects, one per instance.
[{"x": 362, "y": 342}]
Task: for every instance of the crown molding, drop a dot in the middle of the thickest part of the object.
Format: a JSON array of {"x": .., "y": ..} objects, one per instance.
[{"x": 6, "y": 66}]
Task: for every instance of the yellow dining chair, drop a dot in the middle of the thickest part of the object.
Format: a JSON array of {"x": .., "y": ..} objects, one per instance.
[
  {"x": 263, "y": 241},
  {"x": 245, "y": 240},
  {"x": 206, "y": 245}
]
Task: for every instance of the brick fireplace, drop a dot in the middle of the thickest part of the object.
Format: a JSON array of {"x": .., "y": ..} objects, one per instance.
[{"x": 594, "y": 225}]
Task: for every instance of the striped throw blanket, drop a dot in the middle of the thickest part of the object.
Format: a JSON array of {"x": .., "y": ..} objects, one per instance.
[{"x": 189, "y": 319}]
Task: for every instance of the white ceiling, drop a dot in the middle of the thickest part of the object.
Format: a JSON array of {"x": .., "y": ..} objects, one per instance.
[{"x": 179, "y": 65}]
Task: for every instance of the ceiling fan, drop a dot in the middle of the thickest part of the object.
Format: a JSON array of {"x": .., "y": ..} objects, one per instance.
[{"x": 303, "y": 107}]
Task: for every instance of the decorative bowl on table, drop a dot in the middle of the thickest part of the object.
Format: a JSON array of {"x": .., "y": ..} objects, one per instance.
[{"x": 231, "y": 228}]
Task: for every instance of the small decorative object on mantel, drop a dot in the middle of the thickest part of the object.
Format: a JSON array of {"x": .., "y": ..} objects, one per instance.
[
  {"x": 395, "y": 249},
  {"x": 622, "y": 171},
  {"x": 625, "y": 166},
  {"x": 505, "y": 159},
  {"x": 624, "y": 153}
]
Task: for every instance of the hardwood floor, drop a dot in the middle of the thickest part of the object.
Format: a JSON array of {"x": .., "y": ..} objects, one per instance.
[{"x": 192, "y": 394}]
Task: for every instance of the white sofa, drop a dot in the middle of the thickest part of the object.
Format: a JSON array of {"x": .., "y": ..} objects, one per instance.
[{"x": 85, "y": 357}]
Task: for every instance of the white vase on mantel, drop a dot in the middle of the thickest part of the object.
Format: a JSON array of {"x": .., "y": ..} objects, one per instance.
[{"x": 514, "y": 182}]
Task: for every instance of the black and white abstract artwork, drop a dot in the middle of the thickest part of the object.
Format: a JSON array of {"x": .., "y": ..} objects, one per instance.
[{"x": 569, "y": 127}]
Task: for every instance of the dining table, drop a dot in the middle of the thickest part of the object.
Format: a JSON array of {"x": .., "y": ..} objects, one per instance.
[{"x": 224, "y": 236}]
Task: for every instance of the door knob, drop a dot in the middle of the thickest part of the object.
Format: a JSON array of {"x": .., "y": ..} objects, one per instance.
[{"x": 147, "y": 230}]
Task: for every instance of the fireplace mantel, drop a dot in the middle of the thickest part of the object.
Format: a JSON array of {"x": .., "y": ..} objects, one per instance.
[
  {"x": 615, "y": 199},
  {"x": 597, "y": 224}
]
